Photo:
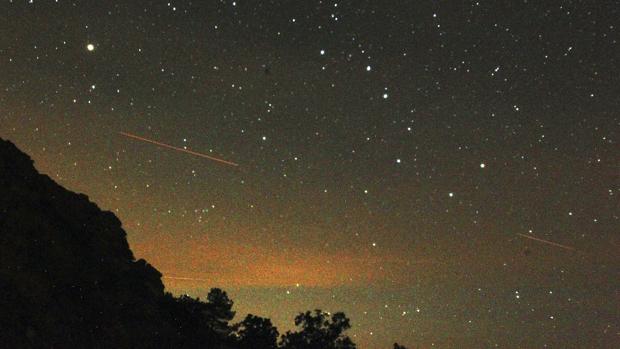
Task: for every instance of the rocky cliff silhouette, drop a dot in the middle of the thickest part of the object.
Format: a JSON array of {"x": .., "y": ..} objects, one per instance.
[
  {"x": 69, "y": 280},
  {"x": 68, "y": 277}
]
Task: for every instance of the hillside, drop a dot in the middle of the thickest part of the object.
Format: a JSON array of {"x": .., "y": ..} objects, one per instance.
[{"x": 68, "y": 277}]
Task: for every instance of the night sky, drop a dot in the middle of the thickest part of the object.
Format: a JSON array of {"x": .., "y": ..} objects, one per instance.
[{"x": 446, "y": 173}]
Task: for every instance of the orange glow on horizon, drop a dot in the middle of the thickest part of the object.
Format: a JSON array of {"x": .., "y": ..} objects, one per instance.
[{"x": 213, "y": 263}]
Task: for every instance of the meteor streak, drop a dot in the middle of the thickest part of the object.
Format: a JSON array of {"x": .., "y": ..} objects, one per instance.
[
  {"x": 182, "y": 278},
  {"x": 547, "y": 242},
  {"x": 163, "y": 145}
]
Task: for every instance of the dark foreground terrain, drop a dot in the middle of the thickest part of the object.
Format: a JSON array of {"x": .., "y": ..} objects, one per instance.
[{"x": 69, "y": 280}]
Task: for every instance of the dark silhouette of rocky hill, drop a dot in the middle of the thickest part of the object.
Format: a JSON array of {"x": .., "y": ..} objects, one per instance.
[
  {"x": 67, "y": 275},
  {"x": 69, "y": 280}
]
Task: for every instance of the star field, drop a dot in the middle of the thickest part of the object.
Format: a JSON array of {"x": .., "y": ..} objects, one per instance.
[{"x": 391, "y": 155}]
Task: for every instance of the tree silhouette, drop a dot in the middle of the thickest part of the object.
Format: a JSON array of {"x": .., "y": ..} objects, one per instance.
[
  {"x": 255, "y": 332},
  {"x": 198, "y": 323},
  {"x": 191, "y": 320},
  {"x": 318, "y": 332},
  {"x": 219, "y": 310}
]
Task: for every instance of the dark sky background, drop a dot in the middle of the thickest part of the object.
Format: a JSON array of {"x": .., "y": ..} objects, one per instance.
[{"x": 390, "y": 153}]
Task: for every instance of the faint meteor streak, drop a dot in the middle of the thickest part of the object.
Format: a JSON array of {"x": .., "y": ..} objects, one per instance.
[
  {"x": 163, "y": 145},
  {"x": 182, "y": 278},
  {"x": 547, "y": 242}
]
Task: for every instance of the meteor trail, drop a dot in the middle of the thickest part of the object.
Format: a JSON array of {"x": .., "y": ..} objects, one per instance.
[
  {"x": 547, "y": 242},
  {"x": 163, "y": 145},
  {"x": 182, "y": 278}
]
